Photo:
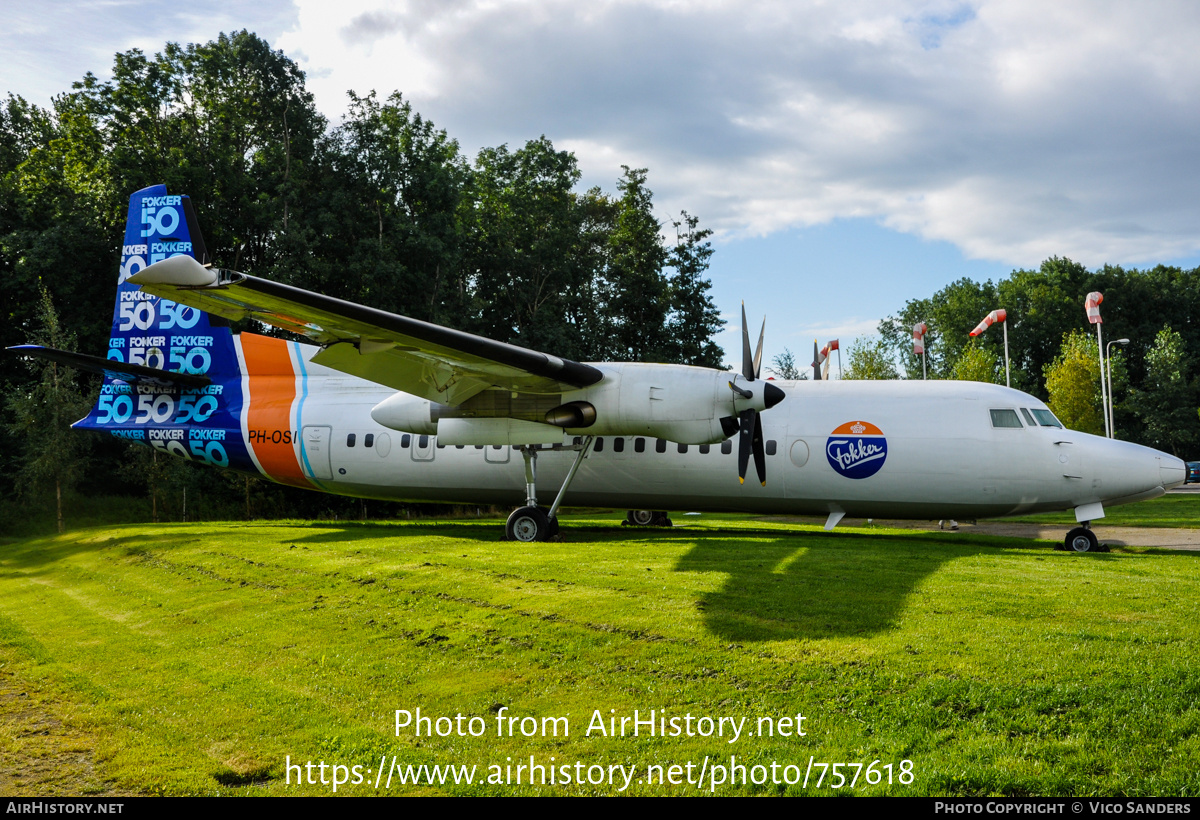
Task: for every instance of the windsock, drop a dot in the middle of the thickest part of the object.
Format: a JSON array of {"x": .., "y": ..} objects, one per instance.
[
  {"x": 1092, "y": 305},
  {"x": 995, "y": 316},
  {"x": 919, "y": 330},
  {"x": 824, "y": 357}
]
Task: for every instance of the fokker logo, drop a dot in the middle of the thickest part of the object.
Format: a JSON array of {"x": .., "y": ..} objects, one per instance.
[{"x": 856, "y": 449}]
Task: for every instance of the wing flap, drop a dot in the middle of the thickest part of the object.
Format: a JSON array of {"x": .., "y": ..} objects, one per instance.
[{"x": 421, "y": 358}]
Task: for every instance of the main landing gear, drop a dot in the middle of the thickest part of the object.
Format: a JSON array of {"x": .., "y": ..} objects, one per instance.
[
  {"x": 531, "y": 522},
  {"x": 1082, "y": 539},
  {"x": 647, "y": 518}
]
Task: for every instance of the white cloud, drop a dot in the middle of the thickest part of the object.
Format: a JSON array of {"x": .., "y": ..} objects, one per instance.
[
  {"x": 1015, "y": 130},
  {"x": 1011, "y": 128}
]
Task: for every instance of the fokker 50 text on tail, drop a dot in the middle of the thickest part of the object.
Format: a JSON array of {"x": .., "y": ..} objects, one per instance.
[{"x": 384, "y": 406}]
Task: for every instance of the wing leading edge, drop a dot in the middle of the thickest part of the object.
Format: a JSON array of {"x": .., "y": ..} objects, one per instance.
[{"x": 427, "y": 360}]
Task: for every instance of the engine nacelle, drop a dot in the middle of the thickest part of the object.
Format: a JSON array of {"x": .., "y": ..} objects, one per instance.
[
  {"x": 688, "y": 405},
  {"x": 406, "y": 413}
]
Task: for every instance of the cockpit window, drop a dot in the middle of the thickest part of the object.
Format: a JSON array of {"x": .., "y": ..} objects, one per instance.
[
  {"x": 1047, "y": 418},
  {"x": 1028, "y": 417},
  {"x": 1006, "y": 418}
]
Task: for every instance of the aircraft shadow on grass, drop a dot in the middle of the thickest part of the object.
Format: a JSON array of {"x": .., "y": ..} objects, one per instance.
[{"x": 814, "y": 585}]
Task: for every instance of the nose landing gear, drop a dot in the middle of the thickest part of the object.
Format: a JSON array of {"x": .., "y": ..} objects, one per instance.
[{"x": 1082, "y": 539}]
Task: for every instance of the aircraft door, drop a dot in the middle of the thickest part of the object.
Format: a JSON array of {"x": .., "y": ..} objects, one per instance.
[{"x": 315, "y": 443}]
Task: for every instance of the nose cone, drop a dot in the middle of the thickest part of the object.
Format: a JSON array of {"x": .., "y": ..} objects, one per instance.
[
  {"x": 1172, "y": 471},
  {"x": 772, "y": 395}
]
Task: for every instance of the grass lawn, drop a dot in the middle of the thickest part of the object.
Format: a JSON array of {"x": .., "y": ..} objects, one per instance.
[{"x": 203, "y": 658}]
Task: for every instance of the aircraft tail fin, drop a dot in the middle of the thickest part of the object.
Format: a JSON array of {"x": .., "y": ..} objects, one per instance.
[{"x": 172, "y": 374}]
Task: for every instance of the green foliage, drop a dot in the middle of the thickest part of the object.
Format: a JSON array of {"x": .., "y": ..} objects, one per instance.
[
  {"x": 41, "y": 415},
  {"x": 1073, "y": 382},
  {"x": 871, "y": 360},
  {"x": 1168, "y": 398},
  {"x": 783, "y": 366},
  {"x": 976, "y": 363},
  {"x": 1046, "y": 304},
  {"x": 694, "y": 318},
  {"x": 382, "y": 210}
]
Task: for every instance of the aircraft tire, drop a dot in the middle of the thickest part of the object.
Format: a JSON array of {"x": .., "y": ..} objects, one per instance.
[
  {"x": 1082, "y": 539},
  {"x": 641, "y": 518},
  {"x": 661, "y": 519},
  {"x": 529, "y": 524}
]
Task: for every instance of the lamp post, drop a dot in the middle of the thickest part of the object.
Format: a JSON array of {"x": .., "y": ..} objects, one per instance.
[{"x": 1112, "y": 425}]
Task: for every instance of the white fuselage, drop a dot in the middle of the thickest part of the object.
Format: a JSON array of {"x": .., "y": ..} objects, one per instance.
[{"x": 944, "y": 458}]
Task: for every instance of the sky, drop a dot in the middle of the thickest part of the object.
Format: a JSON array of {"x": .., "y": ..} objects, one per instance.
[{"x": 849, "y": 156}]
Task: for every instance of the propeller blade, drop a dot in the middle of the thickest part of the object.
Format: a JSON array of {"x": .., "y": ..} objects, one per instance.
[
  {"x": 745, "y": 441},
  {"x": 760, "y": 457},
  {"x": 741, "y": 391},
  {"x": 816, "y": 362},
  {"x": 758, "y": 353},
  {"x": 747, "y": 359}
]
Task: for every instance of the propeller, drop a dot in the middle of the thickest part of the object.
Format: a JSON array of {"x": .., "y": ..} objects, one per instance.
[{"x": 749, "y": 401}]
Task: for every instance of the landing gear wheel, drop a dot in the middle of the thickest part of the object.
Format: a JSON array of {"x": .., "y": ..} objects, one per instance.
[
  {"x": 640, "y": 518},
  {"x": 1081, "y": 539},
  {"x": 530, "y": 524},
  {"x": 661, "y": 520}
]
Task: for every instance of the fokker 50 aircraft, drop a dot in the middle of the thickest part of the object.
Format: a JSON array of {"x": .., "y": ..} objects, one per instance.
[{"x": 384, "y": 406}]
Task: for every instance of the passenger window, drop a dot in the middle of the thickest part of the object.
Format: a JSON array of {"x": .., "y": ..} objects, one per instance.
[
  {"x": 660, "y": 445},
  {"x": 704, "y": 448},
  {"x": 683, "y": 448},
  {"x": 1006, "y": 418},
  {"x": 350, "y": 440},
  {"x": 575, "y": 442},
  {"x": 404, "y": 440},
  {"x": 369, "y": 440},
  {"x": 598, "y": 445},
  {"x": 726, "y": 447},
  {"x": 478, "y": 446},
  {"x": 423, "y": 442},
  {"x": 618, "y": 445},
  {"x": 639, "y": 445},
  {"x": 771, "y": 447},
  {"x": 1028, "y": 418}
]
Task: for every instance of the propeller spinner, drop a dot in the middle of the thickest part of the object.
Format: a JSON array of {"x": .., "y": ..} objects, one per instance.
[{"x": 749, "y": 401}]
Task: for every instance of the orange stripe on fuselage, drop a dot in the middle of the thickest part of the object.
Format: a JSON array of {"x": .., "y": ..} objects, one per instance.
[{"x": 272, "y": 391}]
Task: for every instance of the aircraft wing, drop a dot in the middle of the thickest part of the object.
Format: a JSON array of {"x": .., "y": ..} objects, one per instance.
[{"x": 424, "y": 359}]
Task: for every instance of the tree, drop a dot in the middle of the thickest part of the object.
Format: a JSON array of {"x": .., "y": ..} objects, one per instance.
[
  {"x": 871, "y": 360},
  {"x": 783, "y": 365},
  {"x": 392, "y": 235},
  {"x": 638, "y": 296},
  {"x": 1073, "y": 384},
  {"x": 531, "y": 263},
  {"x": 694, "y": 318},
  {"x": 42, "y": 414},
  {"x": 976, "y": 363},
  {"x": 1167, "y": 401}
]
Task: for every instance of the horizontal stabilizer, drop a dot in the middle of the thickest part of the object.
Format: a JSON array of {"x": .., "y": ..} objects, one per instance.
[{"x": 133, "y": 373}]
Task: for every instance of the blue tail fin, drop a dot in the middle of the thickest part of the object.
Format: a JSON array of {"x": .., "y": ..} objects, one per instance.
[{"x": 161, "y": 354}]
